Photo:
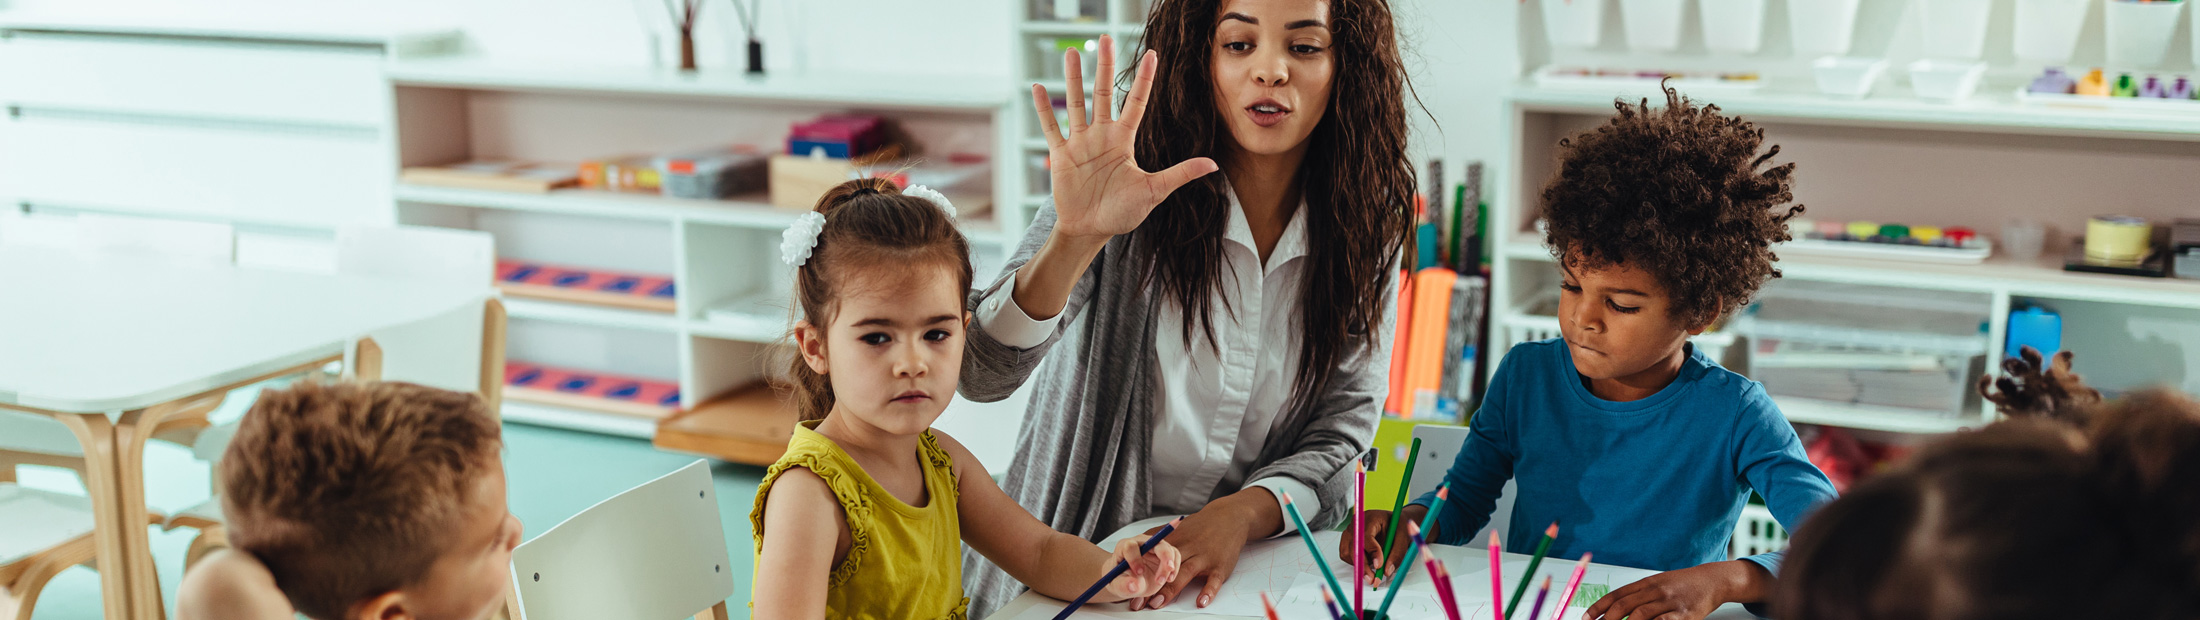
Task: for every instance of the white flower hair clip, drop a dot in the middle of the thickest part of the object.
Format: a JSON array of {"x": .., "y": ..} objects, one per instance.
[
  {"x": 800, "y": 237},
  {"x": 933, "y": 195}
]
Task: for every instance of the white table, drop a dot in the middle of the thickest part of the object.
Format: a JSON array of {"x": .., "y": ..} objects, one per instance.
[
  {"x": 1459, "y": 560},
  {"x": 111, "y": 345}
]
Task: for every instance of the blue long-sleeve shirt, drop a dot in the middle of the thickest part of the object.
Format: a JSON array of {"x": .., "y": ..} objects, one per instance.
[{"x": 1656, "y": 483}]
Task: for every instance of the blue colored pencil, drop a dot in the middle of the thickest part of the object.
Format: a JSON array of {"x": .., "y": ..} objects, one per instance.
[{"x": 1120, "y": 566}]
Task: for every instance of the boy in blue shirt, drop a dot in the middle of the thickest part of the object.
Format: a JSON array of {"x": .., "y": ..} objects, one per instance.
[{"x": 1639, "y": 447}]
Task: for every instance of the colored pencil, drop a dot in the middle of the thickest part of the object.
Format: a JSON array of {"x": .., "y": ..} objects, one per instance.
[
  {"x": 1267, "y": 607},
  {"x": 1396, "y": 506},
  {"x": 1300, "y": 522},
  {"x": 1567, "y": 597},
  {"x": 1497, "y": 577},
  {"x": 1542, "y": 548},
  {"x": 1330, "y": 601},
  {"x": 1442, "y": 579},
  {"x": 1399, "y": 578},
  {"x": 1539, "y": 594},
  {"x": 1120, "y": 566},
  {"x": 1359, "y": 536}
]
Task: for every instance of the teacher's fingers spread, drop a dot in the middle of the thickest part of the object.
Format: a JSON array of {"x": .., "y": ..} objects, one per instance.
[
  {"x": 1103, "y": 85},
  {"x": 1134, "y": 104},
  {"x": 1074, "y": 68},
  {"x": 1048, "y": 127}
]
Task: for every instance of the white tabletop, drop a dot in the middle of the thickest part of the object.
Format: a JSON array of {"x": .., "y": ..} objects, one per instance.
[
  {"x": 1277, "y": 562},
  {"x": 94, "y": 333}
]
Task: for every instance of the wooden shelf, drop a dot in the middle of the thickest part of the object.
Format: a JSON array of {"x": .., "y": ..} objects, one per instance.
[
  {"x": 857, "y": 90},
  {"x": 2043, "y": 278},
  {"x": 749, "y": 425},
  {"x": 587, "y": 314},
  {"x": 1065, "y": 28},
  {"x": 1994, "y": 109},
  {"x": 752, "y": 211},
  {"x": 1844, "y": 415},
  {"x": 578, "y": 419},
  {"x": 762, "y": 317}
]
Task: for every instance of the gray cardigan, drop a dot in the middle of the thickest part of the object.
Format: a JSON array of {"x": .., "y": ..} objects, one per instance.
[{"x": 1081, "y": 457}]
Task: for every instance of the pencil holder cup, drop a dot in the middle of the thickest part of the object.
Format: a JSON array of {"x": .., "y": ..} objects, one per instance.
[
  {"x": 1822, "y": 27},
  {"x": 1954, "y": 29},
  {"x": 2139, "y": 32},
  {"x": 1573, "y": 23},
  {"x": 1733, "y": 26},
  {"x": 1652, "y": 25},
  {"x": 2047, "y": 30}
]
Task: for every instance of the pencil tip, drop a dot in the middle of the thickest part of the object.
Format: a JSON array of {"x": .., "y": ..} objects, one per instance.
[
  {"x": 1286, "y": 495},
  {"x": 1551, "y": 531},
  {"x": 1444, "y": 493}
]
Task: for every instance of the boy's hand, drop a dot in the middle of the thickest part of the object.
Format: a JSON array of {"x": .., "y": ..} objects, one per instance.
[
  {"x": 1148, "y": 572},
  {"x": 1378, "y": 524},
  {"x": 1686, "y": 594}
]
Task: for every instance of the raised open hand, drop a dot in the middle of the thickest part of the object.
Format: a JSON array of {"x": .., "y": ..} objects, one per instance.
[
  {"x": 2032, "y": 386},
  {"x": 1099, "y": 190}
]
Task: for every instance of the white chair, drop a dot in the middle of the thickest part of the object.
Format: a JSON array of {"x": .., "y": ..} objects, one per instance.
[
  {"x": 179, "y": 240},
  {"x": 655, "y": 551},
  {"x": 1440, "y": 444},
  {"x": 41, "y": 532}
]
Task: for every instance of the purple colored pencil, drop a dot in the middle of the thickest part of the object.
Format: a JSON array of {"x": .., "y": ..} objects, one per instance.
[{"x": 1539, "y": 594}]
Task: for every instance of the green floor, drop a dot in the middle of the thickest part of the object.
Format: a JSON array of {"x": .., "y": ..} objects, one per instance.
[{"x": 553, "y": 474}]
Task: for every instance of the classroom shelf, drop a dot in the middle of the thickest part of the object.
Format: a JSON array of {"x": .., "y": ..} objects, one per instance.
[
  {"x": 752, "y": 212},
  {"x": 1992, "y": 110},
  {"x": 870, "y": 91},
  {"x": 1844, "y": 415},
  {"x": 585, "y": 314},
  {"x": 2000, "y": 274},
  {"x": 1065, "y": 28},
  {"x": 761, "y": 317},
  {"x": 577, "y": 419}
]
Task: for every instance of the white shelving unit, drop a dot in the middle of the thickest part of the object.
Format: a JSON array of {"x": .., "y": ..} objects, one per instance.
[
  {"x": 720, "y": 253},
  {"x": 1037, "y": 59},
  {"x": 1890, "y": 157}
]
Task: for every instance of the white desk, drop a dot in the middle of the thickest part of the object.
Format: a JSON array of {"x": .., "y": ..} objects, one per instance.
[
  {"x": 1291, "y": 550},
  {"x": 111, "y": 345}
]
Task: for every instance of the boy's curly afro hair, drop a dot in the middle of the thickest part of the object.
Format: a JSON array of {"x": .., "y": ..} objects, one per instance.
[{"x": 1679, "y": 192}]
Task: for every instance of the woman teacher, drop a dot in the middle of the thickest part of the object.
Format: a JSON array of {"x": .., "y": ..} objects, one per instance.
[{"x": 1216, "y": 340}]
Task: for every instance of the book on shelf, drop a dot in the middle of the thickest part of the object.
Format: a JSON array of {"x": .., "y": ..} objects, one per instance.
[{"x": 494, "y": 175}]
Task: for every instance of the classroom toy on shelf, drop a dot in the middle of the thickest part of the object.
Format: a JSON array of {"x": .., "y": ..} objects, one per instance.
[
  {"x": 496, "y": 175},
  {"x": 750, "y": 424},
  {"x": 593, "y": 391},
  {"x": 1888, "y": 241},
  {"x": 2125, "y": 91},
  {"x": 585, "y": 286}
]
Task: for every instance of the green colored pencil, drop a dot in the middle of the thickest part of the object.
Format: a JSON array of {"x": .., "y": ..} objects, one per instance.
[
  {"x": 1396, "y": 507},
  {"x": 1308, "y": 536},
  {"x": 1541, "y": 548}
]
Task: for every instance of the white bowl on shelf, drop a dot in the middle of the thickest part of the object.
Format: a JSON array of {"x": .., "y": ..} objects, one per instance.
[
  {"x": 1945, "y": 80},
  {"x": 1848, "y": 77}
]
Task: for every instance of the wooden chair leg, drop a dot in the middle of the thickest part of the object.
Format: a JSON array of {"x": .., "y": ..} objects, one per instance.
[
  {"x": 716, "y": 612},
  {"x": 44, "y": 569},
  {"x": 209, "y": 540},
  {"x": 366, "y": 361},
  {"x": 492, "y": 355}
]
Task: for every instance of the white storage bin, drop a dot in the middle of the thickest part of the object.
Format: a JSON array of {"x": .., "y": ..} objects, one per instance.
[
  {"x": 1573, "y": 23},
  {"x": 1885, "y": 349},
  {"x": 1954, "y": 29},
  {"x": 1943, "y": 80},
  {"x": 2047, "y": 30},
  {"x": 2139, "y": 32},
  {"x": 1822, "y": 27},
  {"x": 1733, "y": 26},
  {"x": 1848, "y": 77},
  {"x": 1652, "y": 25}
]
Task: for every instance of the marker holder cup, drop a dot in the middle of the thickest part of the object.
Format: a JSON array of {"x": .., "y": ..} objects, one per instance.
[
  {"x": 2046, "y": 31},
  {"x": 1822, "y": 27},
  {"x": 1573, "y": 23},
  {"x": 1652, "y": 25},
  {"x": 1733, "y": 26},
  {"x": 2139, "y": 32},
  {"x": 1954, "y": 29}
]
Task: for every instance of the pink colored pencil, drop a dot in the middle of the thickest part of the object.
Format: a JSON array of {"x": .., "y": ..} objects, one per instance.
[
  {"x": 1497, "y": 578},
  {"x": 1567, "y": 598},
  {"x": 1442, "y": 579},
  {"x": 1359, "y": 534}
]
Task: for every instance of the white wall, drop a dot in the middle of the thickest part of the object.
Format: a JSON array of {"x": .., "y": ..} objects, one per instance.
[{"x": 960, "y": 37}]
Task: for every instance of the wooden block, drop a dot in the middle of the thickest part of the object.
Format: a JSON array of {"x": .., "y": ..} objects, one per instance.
[
  {"x": 581, "y": 296},
  {"x": 797, "y": 182},
  {"x": 590, "y": 403},
  {"x": 750, "y": 425}
]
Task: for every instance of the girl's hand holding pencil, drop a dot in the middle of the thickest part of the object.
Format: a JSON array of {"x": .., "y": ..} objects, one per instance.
[
  {"x": 1149, "y": 571},
  {"x": 1378, "y": 538}
]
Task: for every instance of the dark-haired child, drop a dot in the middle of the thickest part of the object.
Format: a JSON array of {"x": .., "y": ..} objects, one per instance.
[
  {"x": 866, "y": 514},
  {"x": 2071, "y": 508},
  {"x": 1642, "y": 449}
]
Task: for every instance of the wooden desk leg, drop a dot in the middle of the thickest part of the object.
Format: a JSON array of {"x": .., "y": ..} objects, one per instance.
[
  {"x": 130, "y": 436},
  {"x": 101, "y": 480}
]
